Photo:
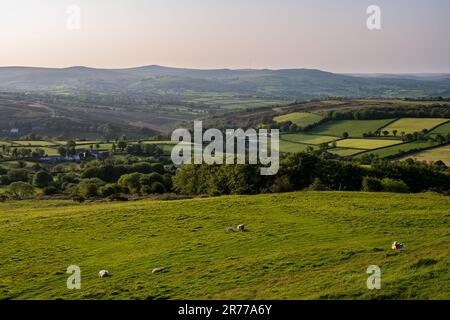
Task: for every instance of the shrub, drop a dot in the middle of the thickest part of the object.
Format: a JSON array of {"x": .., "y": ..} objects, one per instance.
[
  {"x": 391, "y": 185},
  {"x": 4, "y": 181},
  {"x": 49, "y": 191},
  {"x": 370, "y": 184},
  {"x": 110, "y": 189},
  {"x": 18, "y": 175},
  {"x": 3, "y": 171},
  {"x": 158, "y": 188},
  {"x": 42, "y": 179},
  {"x": 89, "y": 187},
  {"x": 317, "y": 185},
  {"x": 281, "y": 184}
]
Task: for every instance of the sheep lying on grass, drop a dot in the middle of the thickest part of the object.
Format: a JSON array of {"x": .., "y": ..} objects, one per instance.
[
  {"x": 103, "y": 273},
  {"x": 397, "y": 246}
]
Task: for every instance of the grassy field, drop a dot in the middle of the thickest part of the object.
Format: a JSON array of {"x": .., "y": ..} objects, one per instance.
[
  {"x": 344, "y": 152},
  {"x": 396, "y": 149},
  {"x": 302, "y": 119},
  {"x": 307, "y": 138},
  {"x": 355, "y": 128},
  {"x": 306, "y": 245},
  {"x": 366, "y": 143},
  {"x": 441, "y": 153},
  {"x": 411, "y": 125},
  {"x": 292, "y": 147},
  {"x": 442, "y": 129}
]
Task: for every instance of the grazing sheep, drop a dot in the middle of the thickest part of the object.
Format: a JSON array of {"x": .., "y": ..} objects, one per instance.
[
  {"x": 158, "y": 270},
  {"x": 103, "y": 273},
  {"x": 397, "y": 246},
  {"x": 241, "y": 227},
  {"x": 230, "y": 229}
]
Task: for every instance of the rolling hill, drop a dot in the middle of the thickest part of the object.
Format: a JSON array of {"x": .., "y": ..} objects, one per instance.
[
  {"x": 184, "y": 84},
  {"x": 304, "y": 245}
]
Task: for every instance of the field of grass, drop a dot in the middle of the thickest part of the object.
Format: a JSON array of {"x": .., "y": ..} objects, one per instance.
[
  {"x": 344, "y": 152},
  {"x": 396, "y": 149},
  {"x": 292, "y": 147},
  {"x": 34, "y": 143},
  {"x": 443, "y": 129},
  {"x": 355, "y": 128},
  {"x": 366, "y": 143},
  {"x": 307, "y": 138},
  {"x": 411, "y": 125},
  {"x": 307, "y": 245},
  {"x": 433, "y": 155},
  {"x": 302, "y": 119}
]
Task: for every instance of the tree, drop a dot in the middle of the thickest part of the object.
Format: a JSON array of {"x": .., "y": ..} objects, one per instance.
[
  {"x": 131, "y": 181},
  {"x": 42, "y": 179},
  {"x": 385, "y": 133},
  {"x": 90, "y": 187},
  {"x": 370, "y": 184},
  {"x": 62, "y": 151},
  {"x": 345, "y": 135},
  {"x": 20, "y": 189},
  {"x": 16, "y": 175},
  {"x": 394, "y": 132},
  {"x": 122, "y": 144}
]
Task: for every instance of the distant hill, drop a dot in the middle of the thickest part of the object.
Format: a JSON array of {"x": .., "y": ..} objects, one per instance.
[{"x": 288, "y": 84}]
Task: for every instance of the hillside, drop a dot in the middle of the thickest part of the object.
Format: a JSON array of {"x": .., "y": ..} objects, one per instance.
[
  {"x": 307, "y": 245},
  {"x": 191, "y": 84}
]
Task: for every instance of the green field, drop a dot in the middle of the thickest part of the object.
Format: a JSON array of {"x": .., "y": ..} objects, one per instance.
[
  {"x": 366, "y": 143},
  {"x": 355, "y": 128},
  {"x": 302, "y": 119},
  {"x": 394, "y": 150},
  {"x": 411, "y": 125},
  {"x": 292, "y": 147},
  {"x": 433, "y": 155},
  {"x": 344, "y": 152},
  {"x": 306, "y": 245},
  {"x": 34, "y": 143},
  {"x": 307, "y": 138},
  {"x": 442, "y": 129}
]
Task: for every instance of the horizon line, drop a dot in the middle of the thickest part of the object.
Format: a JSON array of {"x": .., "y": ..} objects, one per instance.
[{"x": 229, "y": 69}]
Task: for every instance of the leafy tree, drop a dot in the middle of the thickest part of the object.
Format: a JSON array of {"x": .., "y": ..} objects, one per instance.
[
  {"x": 131, "y": 182},
  {"x": 20, "y": 189},
  {"x": 90, "y": 187},
  {"x": 42, "y": 179}
]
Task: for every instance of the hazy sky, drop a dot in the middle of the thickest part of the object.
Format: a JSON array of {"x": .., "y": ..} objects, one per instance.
[{"x": 323, "y": 34}]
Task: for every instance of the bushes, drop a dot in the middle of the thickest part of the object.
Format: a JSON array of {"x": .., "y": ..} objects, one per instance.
[
  {"x": 370, "y": 184},
  {"x": 18, "y": 175},
  {"x": 89, "y": 188},
  {"x": 110, "y": 189},
  {"x": 50, "y": 191},
  {"x": 4, "y": 181},
  {"x": 391, "y": 185}
]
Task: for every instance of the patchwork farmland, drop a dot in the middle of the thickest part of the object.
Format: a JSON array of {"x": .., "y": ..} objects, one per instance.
[{"x": 384, "y": 138}]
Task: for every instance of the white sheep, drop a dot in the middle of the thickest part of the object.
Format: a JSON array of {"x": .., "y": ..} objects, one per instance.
[
  {"x": 241, "y": 227},
  {"x": 397, "y": 246},
  {"x": 103, "y": 273}
]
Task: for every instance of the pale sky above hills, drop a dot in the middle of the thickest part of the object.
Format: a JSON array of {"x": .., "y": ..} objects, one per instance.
[{"x": 324, "y": 34}]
